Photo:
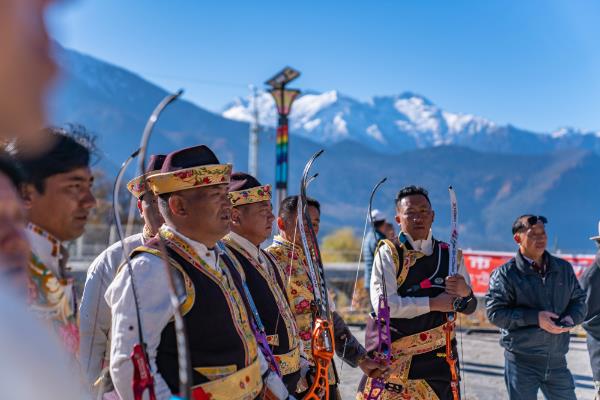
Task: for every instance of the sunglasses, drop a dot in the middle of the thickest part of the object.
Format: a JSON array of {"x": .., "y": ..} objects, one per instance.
[
  {"x": 534, "y": 219},
  {"x": 531, "y": 221}
]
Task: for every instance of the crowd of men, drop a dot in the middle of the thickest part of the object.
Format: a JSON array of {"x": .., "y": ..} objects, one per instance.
[{"x": 247, "y": 306}]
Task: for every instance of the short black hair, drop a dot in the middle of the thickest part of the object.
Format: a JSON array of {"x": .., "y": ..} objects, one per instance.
[
  {"x": 289, "y": 206},
  {"x": 243, "y": 181},
  {"x": 518, "y": 225},
  {"x": 12, "y": 169},
  {"x": 411, "y": 191},
  {"x": 72, "y": 147}
]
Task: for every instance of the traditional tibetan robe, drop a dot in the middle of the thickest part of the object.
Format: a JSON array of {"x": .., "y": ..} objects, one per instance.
[
  {"x": 291, "y": 259},
  {"x": 225, "y": 359},
  {"x": 419, "y": 367},
  {"x": 266, "y": 284},
  {"x": 51, "y": 289}
]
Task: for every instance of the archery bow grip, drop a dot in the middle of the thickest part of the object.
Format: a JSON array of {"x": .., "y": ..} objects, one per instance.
[
  {"x": 142, "y": 377},
  {"x": 322, "y": 351}
]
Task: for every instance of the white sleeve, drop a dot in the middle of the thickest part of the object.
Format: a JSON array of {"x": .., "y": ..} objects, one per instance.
[
  {"x": 155, "y": 312},
  {"x": 462, "y": 269},
  {"x": 94, "y": 319},
  {"x": 384, "y": 270}
]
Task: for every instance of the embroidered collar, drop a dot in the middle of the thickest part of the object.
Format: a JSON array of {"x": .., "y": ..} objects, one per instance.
[
  {"x": 278, "y": 239},
  {"x": 47, "y": 249},
  {"x": 245, "y": 244},
  {"x": 424, "y": 246},
  {"x": 210, "y": 256}
]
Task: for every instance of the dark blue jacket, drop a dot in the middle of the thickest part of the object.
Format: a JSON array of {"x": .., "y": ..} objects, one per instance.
[{"x": 517, "y": 294}]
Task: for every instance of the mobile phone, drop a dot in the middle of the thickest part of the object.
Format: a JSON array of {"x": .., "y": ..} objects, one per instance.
[{"x": 561, "y": 324}]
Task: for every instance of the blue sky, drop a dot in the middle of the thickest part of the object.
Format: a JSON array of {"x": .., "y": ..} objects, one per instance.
[{"x": 533, "y": 63}]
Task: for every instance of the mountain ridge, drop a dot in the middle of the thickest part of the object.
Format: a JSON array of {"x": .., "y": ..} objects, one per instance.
[{"x": 493, "y": 187}]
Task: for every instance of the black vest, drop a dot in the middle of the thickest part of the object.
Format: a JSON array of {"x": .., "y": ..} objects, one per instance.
[
  {"x": 266, "y": 305},
  {"x": 427, "y": 365},
  {"x": 214, "y": 337}
]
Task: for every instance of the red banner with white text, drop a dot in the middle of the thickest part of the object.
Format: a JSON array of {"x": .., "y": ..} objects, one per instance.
[{"x": 480, "y": 265}]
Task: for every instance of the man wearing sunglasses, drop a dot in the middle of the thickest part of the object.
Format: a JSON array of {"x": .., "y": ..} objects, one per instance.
[{"x": 535, "y": 300}]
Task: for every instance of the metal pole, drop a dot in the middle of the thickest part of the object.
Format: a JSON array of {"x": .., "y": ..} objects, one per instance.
[{"x": 253, "y": 147}]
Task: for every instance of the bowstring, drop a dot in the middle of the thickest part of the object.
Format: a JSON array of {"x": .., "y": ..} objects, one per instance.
[{"x": 362, "y": 243}]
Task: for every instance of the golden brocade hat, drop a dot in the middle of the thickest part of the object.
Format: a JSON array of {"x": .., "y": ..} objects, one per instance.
[
  {"x": 136, "y": 185},
  {"x": 249, "y": 196},
  {"x": 246, "y": 189},
  {"x": 189, "y": 168}
]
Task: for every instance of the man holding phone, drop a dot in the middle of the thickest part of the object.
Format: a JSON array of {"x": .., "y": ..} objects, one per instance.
[{"x": 535, "y": 300}]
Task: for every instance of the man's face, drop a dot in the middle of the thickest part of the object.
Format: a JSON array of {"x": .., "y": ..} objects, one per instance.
[
  {"x": 253, "y": 221},
  {"x": 14, "y": 248},
  {"x": 292, "y": 232},
  {"x": 148, "y": 206},
  {"x": 26, "y": 67},
  {"x": 63, "y": 208},
  {"x": 208, "y": 209},
  {"x": 415, "y": 216},
  {"x": 532, "y": 240}
]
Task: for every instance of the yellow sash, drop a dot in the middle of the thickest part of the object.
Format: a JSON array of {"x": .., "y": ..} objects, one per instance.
[{"x": 244, "y": 384}]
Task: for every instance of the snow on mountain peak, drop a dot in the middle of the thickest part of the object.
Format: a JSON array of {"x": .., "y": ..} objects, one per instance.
[{"x": 384, "y": 123}]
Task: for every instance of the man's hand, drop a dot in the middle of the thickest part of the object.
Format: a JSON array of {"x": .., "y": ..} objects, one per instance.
[
  {"x": 442, "y": 302},
  {"x": 545, "y": 322},
  {"x": 373, "y": 369},
  {"x": 457, "y": 286}
]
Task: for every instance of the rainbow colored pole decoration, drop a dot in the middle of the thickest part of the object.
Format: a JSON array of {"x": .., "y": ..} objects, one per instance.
[{"x": 283, "y": 100}]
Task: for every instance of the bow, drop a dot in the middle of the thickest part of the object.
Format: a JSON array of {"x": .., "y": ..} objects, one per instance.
[
  {"x": 183, "y": 356},
  {"x": 383, "y": 353},
  {"x": 450, "y": 324},
  {"x": 142, "y": 376},
  {"x": 322, "y": 344}
]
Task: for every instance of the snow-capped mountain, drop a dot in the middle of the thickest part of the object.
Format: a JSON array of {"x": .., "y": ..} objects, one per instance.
[
  {"x": 493, "y": 185},
  {"x": 397, "y": 123}
]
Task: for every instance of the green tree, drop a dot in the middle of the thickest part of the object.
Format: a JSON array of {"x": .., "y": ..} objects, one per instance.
[{"x": 340, "y": 246}]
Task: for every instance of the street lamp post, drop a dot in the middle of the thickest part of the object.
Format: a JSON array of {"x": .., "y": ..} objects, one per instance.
[{"x": 283, "y": 99}]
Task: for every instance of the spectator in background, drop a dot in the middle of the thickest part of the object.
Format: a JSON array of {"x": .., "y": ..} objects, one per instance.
[
  {"x": 389, "y": 231},
  {"x": 58, "y": 198},
  {"x": 371, "y": 241},
  {"x": 535, "y": 300},
  {"x": 590, "y": 283}
]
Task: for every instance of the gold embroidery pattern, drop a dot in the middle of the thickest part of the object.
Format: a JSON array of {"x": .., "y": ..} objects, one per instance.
[
  {"x": 284, "y": 310},
  {"x": 249, "y": 196},
  {"x": 167, "y": 182},
  {"x": 244, "y": 384},
  {"x": 414, "y": 389},
  {"x": 225, "y": 283}
]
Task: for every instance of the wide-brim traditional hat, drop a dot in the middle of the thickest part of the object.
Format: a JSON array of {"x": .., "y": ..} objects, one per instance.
[
  {"x": 597, "y": 237},
  {"x": 246, "y": 189},
  {"x": 189, "y": 168},
  {"x": 136, "y": 186}
]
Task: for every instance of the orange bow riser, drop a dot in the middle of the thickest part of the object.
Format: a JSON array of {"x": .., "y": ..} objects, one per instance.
[{"x": 322, "y": 351}]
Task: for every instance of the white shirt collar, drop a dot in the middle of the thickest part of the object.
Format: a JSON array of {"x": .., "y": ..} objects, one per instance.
[
  {"x": 46, "y": 248},
  {"x": 246, "y": 245},
  {"x": 425, "y": 246},
  {"x": 210, "y": 256}
]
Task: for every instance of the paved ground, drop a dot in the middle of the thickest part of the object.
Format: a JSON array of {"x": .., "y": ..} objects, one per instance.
[{"x": 483, "y": 368}]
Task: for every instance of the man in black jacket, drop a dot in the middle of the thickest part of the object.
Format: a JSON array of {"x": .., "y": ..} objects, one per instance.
[
  {"x": 590, "y": 282},
  {"x": 535, "y": 300}
]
